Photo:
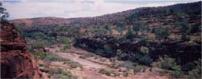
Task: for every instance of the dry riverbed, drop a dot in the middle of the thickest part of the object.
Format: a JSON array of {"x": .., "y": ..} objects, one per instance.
[{"x": 85, "y": 65}]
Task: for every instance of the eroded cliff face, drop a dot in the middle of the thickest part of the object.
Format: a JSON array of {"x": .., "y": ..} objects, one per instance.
[{"x": 16, "y": 61}]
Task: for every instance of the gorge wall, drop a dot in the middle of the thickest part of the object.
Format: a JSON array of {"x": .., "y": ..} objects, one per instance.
[{"x": 16, "y": 61}]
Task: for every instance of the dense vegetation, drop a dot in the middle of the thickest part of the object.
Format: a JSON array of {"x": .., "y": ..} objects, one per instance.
[{"x": 163, "y": 37}]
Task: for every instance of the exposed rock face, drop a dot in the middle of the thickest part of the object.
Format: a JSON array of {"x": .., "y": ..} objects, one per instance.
[{"x": 16, "y": 61}]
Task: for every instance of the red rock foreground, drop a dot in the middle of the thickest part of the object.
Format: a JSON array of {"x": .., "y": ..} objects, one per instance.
[{"x": 16, "y": 61}]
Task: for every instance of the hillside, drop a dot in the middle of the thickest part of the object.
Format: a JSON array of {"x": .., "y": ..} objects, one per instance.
[
  {"x": 167, "y": 38},
  {"x": 110, "y": 18}
]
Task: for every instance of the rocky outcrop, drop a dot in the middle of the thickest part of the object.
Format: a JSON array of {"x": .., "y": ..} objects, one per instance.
[{"x": 16, "y": 61}]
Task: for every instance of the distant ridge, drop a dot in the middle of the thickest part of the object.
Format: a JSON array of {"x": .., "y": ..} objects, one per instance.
[{"x": 109, "y": 18}]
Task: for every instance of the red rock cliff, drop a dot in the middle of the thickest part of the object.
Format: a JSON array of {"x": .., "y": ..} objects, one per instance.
[{"x": 16, "y": 61}]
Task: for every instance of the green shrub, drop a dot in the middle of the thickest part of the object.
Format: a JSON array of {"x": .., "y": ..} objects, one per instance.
[
  {"x": 196, "y": 72},
  {"x": 177, "y": 73},
  {"x": 59, "y": 73},
  {"x": 73, "y": 64},
  {"x": 36, "y": 44},
  {"x": 125, "y": 74},
  {"x": 170, "y": 64},
  {"x": 108, "y": 72},
  {"x": 66, "y": 41},
  {"x": 47, "y": 56},
  {"x": 138, "y": 68},
  {"x": 107, "y": 48},
  {"x": 128, "y": 64},
  {"x": 40, "y": 55},
  {"x": 104, "y": 71},
  {"x": 51, "y": 57},
  {"x": 129, "y": 34},
  {"x": 161, "y": 33},
  {"x": 144, "y": 49},
  {"x": 146, "y": 60}
]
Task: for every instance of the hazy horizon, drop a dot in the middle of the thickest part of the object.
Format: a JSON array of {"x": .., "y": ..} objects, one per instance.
[{"x": 77, "y": 8}]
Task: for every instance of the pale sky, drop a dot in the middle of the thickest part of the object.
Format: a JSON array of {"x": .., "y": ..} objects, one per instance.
[{"x": 77, "y": 8}]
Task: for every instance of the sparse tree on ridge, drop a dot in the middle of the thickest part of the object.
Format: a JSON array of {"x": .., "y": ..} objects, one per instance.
[{"x": 3, "y": 14}]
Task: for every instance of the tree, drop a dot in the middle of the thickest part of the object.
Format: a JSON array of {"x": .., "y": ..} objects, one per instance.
[
  {"x": 65, "y": 41},
  {"x": 162, "y": 33},
  {"x": 129, "y": 34},
  {"x": 3, "y": 14},
  {"x": 183, "y": 24},
  {"x": 120, "y": 27}
]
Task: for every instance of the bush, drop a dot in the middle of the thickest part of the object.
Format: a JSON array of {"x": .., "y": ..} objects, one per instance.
[
  {"x": 169, "y": 64},
  {"x": 108, "y": 49},
  {"x": 66, "y": 41},
  {"x": 40, "y": 55},
  {"x": 125, "y": 74},
  {"x": 37, "y": 44},
  {"x": 177, "y": 73},
  {"x": 59, "y": 73},
  {"x": 162, "y": 33},
  {"x": 146, "y": 60},
  {"x": 129, "y": 34},
  {"x": 108, "y": 72},
  {"x": 196, "y": 72},
  {"x": 73, "y": 64},
  {"x": 138, "y": 68},
  {"x": 47, "y": 56},
  {"x": 128, "y": 64},
  {"x": 104, "y": 71},
  {"x": 144, "y": 49},
  {"x": 51, "y": 57}
]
